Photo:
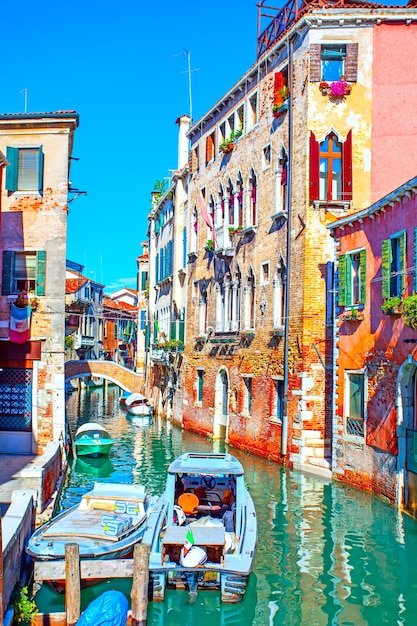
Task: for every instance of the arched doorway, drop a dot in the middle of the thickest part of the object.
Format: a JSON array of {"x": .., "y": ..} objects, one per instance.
[
  {"x": 407, "y": 436},
  {"x": 221, "y": 405}
]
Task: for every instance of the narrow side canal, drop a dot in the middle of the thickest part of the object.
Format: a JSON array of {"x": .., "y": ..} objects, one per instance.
[{"x": 327, "y": 553}]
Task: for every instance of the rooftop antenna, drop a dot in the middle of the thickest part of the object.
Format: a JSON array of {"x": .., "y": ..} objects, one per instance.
[
  {"x": 188, "y": 71},
  {"x": 25, "y": 91}
]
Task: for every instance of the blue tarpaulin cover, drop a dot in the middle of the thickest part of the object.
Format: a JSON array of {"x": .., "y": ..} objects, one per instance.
[{"x": 109, "y": 609}]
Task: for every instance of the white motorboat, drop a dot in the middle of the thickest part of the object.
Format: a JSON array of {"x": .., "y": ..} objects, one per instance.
[
  {"x": 138, "y": 405},
  {"x": 203, "y": 530}
]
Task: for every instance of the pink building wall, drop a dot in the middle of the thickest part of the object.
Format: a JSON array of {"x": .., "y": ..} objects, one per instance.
[{"x": 394, "y": 118}]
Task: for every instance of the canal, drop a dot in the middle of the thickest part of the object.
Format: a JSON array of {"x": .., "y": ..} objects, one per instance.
[{"x": 327, "y": 553}]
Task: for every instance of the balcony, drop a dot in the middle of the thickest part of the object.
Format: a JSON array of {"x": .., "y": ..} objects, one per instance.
[{"x": 224, "y": 246}]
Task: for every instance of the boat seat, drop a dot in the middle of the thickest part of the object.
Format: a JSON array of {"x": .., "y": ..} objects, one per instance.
[{"x": 189, "y": 503}]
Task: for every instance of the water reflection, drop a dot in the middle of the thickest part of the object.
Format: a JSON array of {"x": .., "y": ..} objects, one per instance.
[{"x": 327, "y": 554}]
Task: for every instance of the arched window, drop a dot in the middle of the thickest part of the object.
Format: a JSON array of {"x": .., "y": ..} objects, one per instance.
[
  {"x": 230, "y": 200},
  {"x": 279, "y": 285},
  {"x": 220, "y": 208},
  {"x": 239, "y": 202},
  {"x": 250, "y": 300},
  {"x": 236, "y": 300},
  {"x": 331, "y": 168},
  {"x": 194, "y": 231},
  {"x": 252, "y": 214},
  {"x": 212, "y": 213},
  {"x": 282, "y": 182}
]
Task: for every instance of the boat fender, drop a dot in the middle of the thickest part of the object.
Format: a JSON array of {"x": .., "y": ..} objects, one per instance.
[{"x": 179, "y": 515}]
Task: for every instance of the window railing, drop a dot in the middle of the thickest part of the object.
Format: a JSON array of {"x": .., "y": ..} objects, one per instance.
[{"x": 355, "y": 426}]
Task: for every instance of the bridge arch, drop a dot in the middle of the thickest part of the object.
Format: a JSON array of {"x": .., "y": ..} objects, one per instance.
[{"x": 117, "y": 374}]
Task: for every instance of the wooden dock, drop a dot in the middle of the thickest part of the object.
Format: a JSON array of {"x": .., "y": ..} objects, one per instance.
[{"x": 73, "y": 571}]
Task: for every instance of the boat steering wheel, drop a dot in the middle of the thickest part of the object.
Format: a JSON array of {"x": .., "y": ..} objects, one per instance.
[{"x": 209, "y": 481}]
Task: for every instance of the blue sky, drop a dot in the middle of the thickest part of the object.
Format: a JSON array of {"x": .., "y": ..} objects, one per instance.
[
  {"x": 123, "y": 67},
  {"x": 115, "y": 64}
]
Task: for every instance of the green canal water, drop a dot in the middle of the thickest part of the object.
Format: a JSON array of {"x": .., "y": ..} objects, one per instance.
[{"x": 327, "y": 553}]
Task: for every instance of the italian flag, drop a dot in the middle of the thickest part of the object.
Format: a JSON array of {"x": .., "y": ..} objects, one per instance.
[{"x": 189, "y": 541}]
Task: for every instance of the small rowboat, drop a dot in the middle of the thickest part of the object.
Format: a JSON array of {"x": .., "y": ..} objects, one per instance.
[
  {"x": 138, "y": 405},
  {"x": 92, "y": 440},
  {"x": 106, "y": 524}
]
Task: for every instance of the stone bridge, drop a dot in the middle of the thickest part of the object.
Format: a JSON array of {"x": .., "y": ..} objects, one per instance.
[{"x": 117, "y": 374}]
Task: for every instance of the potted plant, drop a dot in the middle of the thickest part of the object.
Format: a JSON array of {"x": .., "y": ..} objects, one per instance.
[
  {"x": 22, "y": 300},
  {"x": 352, "y": 315},
  {"x": 409, "y": 311},
  {"x": 209, "y": 245},
  {"x": 280, "y": 102},
  {"x": 392, "y": 306},
  {"x": 339, "y": 89},
  {"x": 324, "y": 87}
]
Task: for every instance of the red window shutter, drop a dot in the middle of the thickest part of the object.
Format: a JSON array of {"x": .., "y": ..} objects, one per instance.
[
  {"x": 315, "y": 63},
  {"x": 314, "y": 167},
  {"x": 351, "y": 63},
  {"x": 347, "y": 167}
]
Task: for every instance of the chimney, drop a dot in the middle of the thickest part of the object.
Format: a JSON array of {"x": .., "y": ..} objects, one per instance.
[{"x": 184, "y": 124}]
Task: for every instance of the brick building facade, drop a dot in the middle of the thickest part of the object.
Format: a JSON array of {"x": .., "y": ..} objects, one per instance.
[{"x": 34, "y": 197}]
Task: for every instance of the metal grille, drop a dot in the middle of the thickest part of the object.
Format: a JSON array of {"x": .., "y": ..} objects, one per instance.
[
  {"x": 354, "y": 426},
  {"x": 15, "y": 399}
]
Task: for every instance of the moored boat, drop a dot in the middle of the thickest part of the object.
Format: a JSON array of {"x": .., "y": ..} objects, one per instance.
[
  {"x": 138, "y": 405},
  {"x": 92, "y": 439},
  {"x": 106, "y": 524},
  {"x": 203, "y": 530}
]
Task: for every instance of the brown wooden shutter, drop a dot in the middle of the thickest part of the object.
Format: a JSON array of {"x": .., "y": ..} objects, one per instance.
[
  {"x": 351, "y": 63},
  {"x": 315, "y": 63},
  {"x": 314, "y": 167}
]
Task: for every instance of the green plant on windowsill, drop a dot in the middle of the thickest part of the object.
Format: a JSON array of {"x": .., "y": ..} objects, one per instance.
[
  {"x": 209, "y": 245},
  {"x": 409, "y": 311},
  {"x": 391, "y": 306}
]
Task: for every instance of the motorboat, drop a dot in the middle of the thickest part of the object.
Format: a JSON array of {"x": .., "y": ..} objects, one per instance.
[
  {"x": 106, "y": 524},
  {"x": 92, "y": 440},
  {"x": 202, "y": 531},
  {"x": 138, "y": 405},
  {"x": 123, "y": 398}
]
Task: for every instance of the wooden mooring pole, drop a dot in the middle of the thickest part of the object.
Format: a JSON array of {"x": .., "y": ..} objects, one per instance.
[
  {"x": 72, "y": 583},
  {"x": 139, "y": 593}
]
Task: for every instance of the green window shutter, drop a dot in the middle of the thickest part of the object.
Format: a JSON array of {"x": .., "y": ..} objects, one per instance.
[
  {"x": 173, "y": 331},
  {"x": 8, "y": 265},
  {"x": 342, "y": 280},
  {"x": 348, "y": 280},
  {"x": 362, "y": 297},
  {"x": 40, "y": 170},
  {"x": 181, "y": 331},
  {"x": 386, "y": 268},
  {"x": 12, "y": 155},
  {"x": 403, "y": 260},
  {"x": 41, "y": 273}
]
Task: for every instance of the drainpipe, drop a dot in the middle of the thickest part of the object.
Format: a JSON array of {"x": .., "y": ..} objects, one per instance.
[{"x": 284, "y": 428}]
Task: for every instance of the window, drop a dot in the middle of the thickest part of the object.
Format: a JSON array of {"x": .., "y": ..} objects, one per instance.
[
  {"x": 331, "y": 62},
  {"x": 252, "y": 215},
  {"x": 195, "y": 163},
  {"x": 279, "y": 400},
  {"x": 247, "y": 399},
  {"x": 23, "y": 271},
  {"x": 265, "y": 273},
  {"x": 200, "y": 383},
  {"x": 331, "y": 168},
  {"x": 250, "y": 301},
  {"x": 142, "y": 319},
  {"x": 355, "y": 403},
  {"x": 279, "y": 295},
  {"x": 266, "y": 156},
  {"x": 352, "y": 278},
  {"x": 25, "y": 172},
  {"x": 393, "y": 265},
  {"x": 210, "y": 147},
  {"x": 253, "y": 111},
  {"x": 221, "y": 134}
]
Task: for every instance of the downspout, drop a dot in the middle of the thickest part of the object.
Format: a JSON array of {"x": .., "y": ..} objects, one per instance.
[{"x": 284, "y": 428}]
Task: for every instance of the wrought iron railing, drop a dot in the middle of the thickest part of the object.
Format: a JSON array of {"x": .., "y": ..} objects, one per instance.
[{"x": 355, "y": 426}]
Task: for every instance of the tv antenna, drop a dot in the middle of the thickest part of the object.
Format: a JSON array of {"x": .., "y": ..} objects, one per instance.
[
  {"x": 25, "y": 91},
  {"x": 188, "y": 71}
]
